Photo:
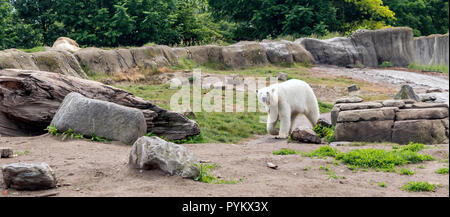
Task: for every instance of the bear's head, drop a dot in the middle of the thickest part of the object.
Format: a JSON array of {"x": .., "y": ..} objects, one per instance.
[{"x": 268, "y": 96}]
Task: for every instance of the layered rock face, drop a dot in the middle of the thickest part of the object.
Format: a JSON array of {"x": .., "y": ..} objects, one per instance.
[
  {"x": 370, "y": 48},
  {"x": 398, "y": 121},
  {"x": 431, "y": 50},
  {"x": 52, "y": 60},
  {"x": 29, "y": 100}
]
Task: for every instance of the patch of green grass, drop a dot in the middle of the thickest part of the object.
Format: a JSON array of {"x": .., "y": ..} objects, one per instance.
[
  {"x": 443, "y": 171},
  {"x": 325, "y": 132},
  {"x": 325, "y": 107},
  {"x": 404, "y": 171},
  {"x": 421, "y": 167},
  {"x": 323, "y": 152},
  {"x": 33, "y": 50},
  {"x": 205, "y": 175},
  {"x": 381, "y": 159},
  {"x": 378, "y": 159},
  {"x": 430, "y": 68},
  {"x": 215, "y": 127},
  {"x": 324, "y": 168},
  {"x": 52, "y": 130},
  {"x": 386, "y": 64},
  {"x": 306, "y": 168},
  {"x": 285, "y": 151},
  {"x": 382, "y": 184},
  {"x": 419, "y": 186},
  {"x": 26, "y": 152}
]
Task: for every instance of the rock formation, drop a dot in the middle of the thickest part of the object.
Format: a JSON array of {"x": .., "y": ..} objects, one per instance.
[
  {"x": 29, "y": 99},
  {"x": 369, "y": 48},
  {"x": 67, "y": 44},
  {"x": 431, "y": 50},
  {"x": 398, "y": 121}
]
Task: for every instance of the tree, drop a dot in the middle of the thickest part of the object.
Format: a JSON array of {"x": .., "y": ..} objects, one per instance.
[{"x": 13, "y": 32}]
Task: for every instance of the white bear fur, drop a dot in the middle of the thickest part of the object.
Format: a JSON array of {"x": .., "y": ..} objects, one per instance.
[{"x": 285, "y": 101}]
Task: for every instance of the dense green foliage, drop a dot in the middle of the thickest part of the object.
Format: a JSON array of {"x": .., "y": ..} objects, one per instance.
[
  {"x": 325, "y": 132},
  {"x": 30, "y": 23}
]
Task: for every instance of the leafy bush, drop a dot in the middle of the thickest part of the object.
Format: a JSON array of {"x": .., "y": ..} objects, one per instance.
[{"x": 325, "y": 132}]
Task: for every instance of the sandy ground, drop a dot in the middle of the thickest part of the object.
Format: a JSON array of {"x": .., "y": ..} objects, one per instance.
[{"x": 87, "y": 168}]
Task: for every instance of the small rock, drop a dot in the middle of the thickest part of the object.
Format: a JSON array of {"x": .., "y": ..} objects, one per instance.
[
  {"x": 349, "y": 100},
  {"x": 335, "y": 144},
  {"x": 272, "y": 166},
  {"x": 282, "y": 76},
  {"x": 427, "y": 98},
  {"x": 407, "y": 92},
  {"x": 29, "y": 176},
  {"x": 324, "y": 122},
  {"x": 353, "y": 88},
  {"x": 107, "y": 81},
  {"x": 6, "y": 152},
  {"x": 305, "y": 136},
  {"x": 187, "y": 71},
  {"x": 435, "y": 90}
]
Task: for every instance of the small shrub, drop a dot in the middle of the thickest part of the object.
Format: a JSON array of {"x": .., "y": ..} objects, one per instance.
[
  {"x": 285, "y": 151},
  {"x": 419, "y": 186},
  {"x": 386, "y": 64},
  {"x": 443, "y": 171},
  {"x": 325, "y": 132}
]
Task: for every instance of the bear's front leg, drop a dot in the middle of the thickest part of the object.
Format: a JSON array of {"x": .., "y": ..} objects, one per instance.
[
  {"x": 285, "y": 124},
  {"x": 272, "y": 119}
]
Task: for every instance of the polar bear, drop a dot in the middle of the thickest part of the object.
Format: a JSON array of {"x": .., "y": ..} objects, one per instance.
[{"x": 284, "y": 102}]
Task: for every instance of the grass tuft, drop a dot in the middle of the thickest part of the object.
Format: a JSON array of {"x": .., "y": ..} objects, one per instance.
[
  {"x": 443, "y": 171},
  {"x": 285, "y": 151},
  {"x": 419, "y": 186}
]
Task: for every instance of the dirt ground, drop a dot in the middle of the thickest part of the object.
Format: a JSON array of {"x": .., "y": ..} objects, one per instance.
[{"x": 85, "y": 168}]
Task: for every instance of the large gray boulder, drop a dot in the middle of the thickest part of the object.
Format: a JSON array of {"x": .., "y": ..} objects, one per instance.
[
  {"x": 155, "y": 153},
  {"x": 30, "y": 99},
  {"x": 100, "y": 118},
  {"x": 29, "y": 176}
]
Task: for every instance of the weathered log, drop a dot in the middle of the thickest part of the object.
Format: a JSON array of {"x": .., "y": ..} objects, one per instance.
[{"x": 30, "y": 99}]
